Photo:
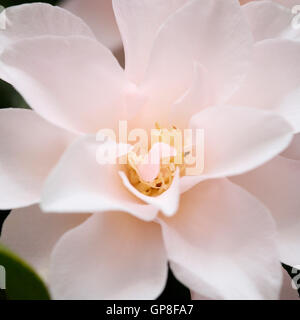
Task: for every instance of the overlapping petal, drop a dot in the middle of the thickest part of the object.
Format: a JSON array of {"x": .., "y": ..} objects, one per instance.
[
  {"x": 32, "y": 234},
  {"x": 236, "y": 140},
  {"x": 110, "y": 256},
  {"x": 269, "y": 20},
  {"x": 80, "y": 184},
  {"x": 221, "y": 243},
  {"x": 195, "y": 99},
  {"x": 30, "y": 148},
  {"x": 167, "y": 202},
  {"x": 100, "y": 17},
  {"x": 274, "y": 60},
  {"x": 293, "y": 150},
  {"x": 287, "y": 3},
  {"x": 276, "y": 184},
  {"x": 40, "y": 19},
  {"x": 287, "y": 291},
  {"x": 74, "y": 82},
  {"x": 188, "y": 55},
  {"x": 209, "y": 32},
  {"x": 139, "y": 22}
]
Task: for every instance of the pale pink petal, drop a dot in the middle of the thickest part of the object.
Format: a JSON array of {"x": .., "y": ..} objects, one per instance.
[
  {"x": 293, "y": 150},
  {"x": 221, "y": 243},
  {"x": 110, "y": 256},
  {"x": 274, "y": 60},
  {"x": 32, "y": 234},
  {"x": 167, "y": 202},
  {"x": 288, "y": 3},
  {"x": 196, "y": 98},
  {"x": 212, "y": 33},
  {"x": 269, "y": 20},
  {"x": 74, "y": 82},
  {"x": 39, "y": 19},
  {"x": 81, "y": 184},
  {"x": 99, "y": 15},
  {"x": 290, "y": 109},
  {"x": 287, "y": 290},
  {"x": 237, "y": 139},
  {"x": 30, "y": 147},
  {"x": 277, "y": 185},
  {"x": 139, "y": 22}
]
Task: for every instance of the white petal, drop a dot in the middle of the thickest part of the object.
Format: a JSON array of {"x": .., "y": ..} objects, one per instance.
[
  {"x": 39, "y": 19},
  {"x": 290, "y": 109},
  {"x": 212, "y": 33},
  {"x": 287, "y": 291},
  {"x": 32, "y": 234},
  {"x": 139, "y": 22},
  {"x": 274, "y": 80},
  {"x": 277, "y": 185},
  {"x": 221, "y": 244},
  {"x": 196, "y": 98},
  {"x": 110, "y": 256},
  {"x": 30, "y": 147},
  {"x": 80, "y": 184},
  {"x": 288, "y": 3},
  {"x": 74, "y": 82},
  {"x": 269, "y": 20},
  {"x": 167, "y": 202},
  {"x": 100, "y": 17},
  {"x": 237, "y": 140}
]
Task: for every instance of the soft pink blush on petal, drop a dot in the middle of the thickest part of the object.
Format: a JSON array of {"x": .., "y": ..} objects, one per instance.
[
  {"x": 28, "y": 21},
  {"x": 277, "y": 184},
  {"x": 32, "y": 234},
  {"x": 263, "y": 88},
  {"x": 270, "y": 20},
  {"x": 74, "y": 82},
  {"x": 286, "y": 3},
  {"x": 137, "y": 40},
  {"x": 99, "y": 15},
  {"x": 198, "y": 97},
  {"x": 237, "y": 140},
  {"x": 287, "y": 291},
  {"x": 30, "y": 148},
  {"x": 110, "y": 256},
  {"x": 79, "y": 183},
  {"x": 182, "y": 41},
  {"x": 34, "y": 20},
  {"x": 222, "y": 243},
  {"x": 167, "y": 202}
]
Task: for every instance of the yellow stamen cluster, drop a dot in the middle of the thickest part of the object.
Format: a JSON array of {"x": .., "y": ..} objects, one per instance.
[{"x": 161, "y": 183}]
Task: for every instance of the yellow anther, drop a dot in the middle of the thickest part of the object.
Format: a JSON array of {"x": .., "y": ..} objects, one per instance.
[{"x": 166, "y": 174}]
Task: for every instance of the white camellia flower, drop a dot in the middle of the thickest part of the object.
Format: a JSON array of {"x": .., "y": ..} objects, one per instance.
[{"x": 95, "y": 232}]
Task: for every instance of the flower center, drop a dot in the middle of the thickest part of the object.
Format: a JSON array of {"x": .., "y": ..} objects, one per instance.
[{"x": 152, "y": 173}]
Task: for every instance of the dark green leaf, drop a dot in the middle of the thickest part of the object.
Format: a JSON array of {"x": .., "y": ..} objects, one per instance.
[{"x": 22, "y": 283}]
